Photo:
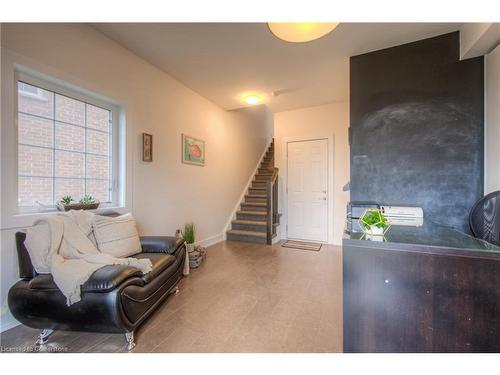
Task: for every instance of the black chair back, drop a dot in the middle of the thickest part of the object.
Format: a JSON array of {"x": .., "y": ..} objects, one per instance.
[{"x": 484, "y": 218}]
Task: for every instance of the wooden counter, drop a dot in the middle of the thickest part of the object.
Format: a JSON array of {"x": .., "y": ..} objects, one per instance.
[{"x": 425, "y": 289}]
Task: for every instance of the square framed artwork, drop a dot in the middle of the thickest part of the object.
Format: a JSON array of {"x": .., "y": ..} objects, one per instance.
[
  {"x": 147, "y": 147},
  {"x": 193, "y": 150}
]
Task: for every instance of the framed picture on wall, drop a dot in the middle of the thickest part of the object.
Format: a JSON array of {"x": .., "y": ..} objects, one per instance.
[
  {"x": 193, "y": 150},
  {"x": 147, "y": 147}
]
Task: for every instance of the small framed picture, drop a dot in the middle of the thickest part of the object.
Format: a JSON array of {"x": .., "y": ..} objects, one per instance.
[
  {"x": 193, "y": 150},
  {"x": 147, "y": 147}
]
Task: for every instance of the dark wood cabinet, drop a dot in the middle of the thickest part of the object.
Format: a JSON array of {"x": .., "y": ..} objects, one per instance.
[{"x": 420, "y": 299}]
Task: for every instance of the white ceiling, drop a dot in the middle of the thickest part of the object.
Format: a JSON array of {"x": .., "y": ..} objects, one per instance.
[{"x": 223, "y": 60}]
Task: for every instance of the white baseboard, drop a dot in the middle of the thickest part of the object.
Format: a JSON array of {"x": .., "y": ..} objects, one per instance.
[
  {"x": 211, "y": 240},
  {"x": 8, "y": 322},
  {"x": 247, "y": 186}
]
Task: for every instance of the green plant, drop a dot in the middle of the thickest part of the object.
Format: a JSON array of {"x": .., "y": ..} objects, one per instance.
[
  {"x": 374, "y": 217},
  {"x": 66, "y": 199},
  {"x": 87, "y": 199},
  {"x": 188, "y": 233}
]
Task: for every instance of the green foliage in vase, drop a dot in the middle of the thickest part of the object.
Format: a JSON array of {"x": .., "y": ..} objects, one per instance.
[
  {"x": 374, "y": 217},
  {"x": 66, "y": 199},
  {"x": 87, "y": 199},
  {"x": 189, "y": 232}
]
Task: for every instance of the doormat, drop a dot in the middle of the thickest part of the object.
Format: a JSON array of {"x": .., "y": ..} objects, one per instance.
[{"x": 302, "y": 245}]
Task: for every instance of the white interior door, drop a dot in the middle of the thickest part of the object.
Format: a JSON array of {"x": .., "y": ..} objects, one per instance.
[{"x": 307, "y": 206}]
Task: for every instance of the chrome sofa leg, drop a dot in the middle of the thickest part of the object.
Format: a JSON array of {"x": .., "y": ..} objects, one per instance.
[
  {"x": 130, "y": 340},
  {"x": 175, "y": 290},
  {"x": 43, "y": 336}
]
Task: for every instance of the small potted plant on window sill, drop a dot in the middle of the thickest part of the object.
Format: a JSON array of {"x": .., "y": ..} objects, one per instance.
[
  {"x": 188, "y": 234},
  {"x": 374, "y": 223},
  {"x": 86, "y": 203}
]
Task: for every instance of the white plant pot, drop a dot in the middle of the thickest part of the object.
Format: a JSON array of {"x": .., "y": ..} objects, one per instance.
[{"x": 376, "y": 231}]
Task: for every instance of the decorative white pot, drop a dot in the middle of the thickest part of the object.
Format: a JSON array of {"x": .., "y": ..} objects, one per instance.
[
  {"x": 376, "y": 231},
  {"x": 190, "y": 247}
]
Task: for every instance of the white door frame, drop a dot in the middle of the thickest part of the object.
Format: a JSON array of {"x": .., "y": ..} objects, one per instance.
[{"x": 330, "y": 179}]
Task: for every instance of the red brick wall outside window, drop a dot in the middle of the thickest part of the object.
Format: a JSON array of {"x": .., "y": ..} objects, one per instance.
[{"x": 64, "y": 148}]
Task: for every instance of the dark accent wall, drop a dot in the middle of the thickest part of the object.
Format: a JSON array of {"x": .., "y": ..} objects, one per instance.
[{"x": 416, "y": 132}]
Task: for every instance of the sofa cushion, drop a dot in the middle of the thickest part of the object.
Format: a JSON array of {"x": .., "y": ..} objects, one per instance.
[
  {"x": 160, "y": 263},
  {"x": 103, "y": 280},
  {"x": 117, "y": 236}
]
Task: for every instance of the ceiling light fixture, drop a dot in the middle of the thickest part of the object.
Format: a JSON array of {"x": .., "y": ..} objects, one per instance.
[
  {"x": 300, "y": 32},
  {"x": 253, "y": 99}
]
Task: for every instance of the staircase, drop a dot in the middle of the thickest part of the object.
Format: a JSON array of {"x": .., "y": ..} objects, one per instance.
[{"x": 257, "y": 218}]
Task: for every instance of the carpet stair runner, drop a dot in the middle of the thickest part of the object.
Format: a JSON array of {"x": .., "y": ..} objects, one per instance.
[{"x": 251, "y": 219}]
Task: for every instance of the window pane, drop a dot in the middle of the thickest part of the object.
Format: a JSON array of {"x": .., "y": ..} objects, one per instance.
[
  {"x": 70, "y": 137},
  {"x": 35, "y": 130},
  {"x": 41, "y": 104},
  {"x": 69, "y": 164},
  {"x": 70, "y": 110},
  {"x": 97, "y": 167},
  {"x": 98, "y": 118},
  {"x": 34, "y": 161},
  {"x": 63, "y": 147},
  {"x": 32, "y": 189},
  {"x": 99, "y": 189},
  {"x": 97, "y": 142},
  {"x": 73, "y": 187}
]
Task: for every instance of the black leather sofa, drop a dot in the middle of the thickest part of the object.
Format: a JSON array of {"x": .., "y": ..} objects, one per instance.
[{"x": 115, "y": 299}]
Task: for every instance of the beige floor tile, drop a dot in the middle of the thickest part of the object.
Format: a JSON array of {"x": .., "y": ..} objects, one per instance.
[{"x": 243, "y": 298}]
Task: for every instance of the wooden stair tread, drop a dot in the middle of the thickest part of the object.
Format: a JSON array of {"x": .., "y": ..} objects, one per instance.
[
  {"x": 259, "y": 204},
  {"x": 244, "y": 212},
  {"x": 249, "y": 222},
  {"x": 246, "y": 233}
]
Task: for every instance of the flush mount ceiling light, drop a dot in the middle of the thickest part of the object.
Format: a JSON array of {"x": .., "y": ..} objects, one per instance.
[
  {"x": 301, "y": 32},
  {"x": 252, "y": 99}
]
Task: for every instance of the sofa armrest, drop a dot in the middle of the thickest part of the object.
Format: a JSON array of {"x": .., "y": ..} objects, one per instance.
[{"x": 160, "y": 244}]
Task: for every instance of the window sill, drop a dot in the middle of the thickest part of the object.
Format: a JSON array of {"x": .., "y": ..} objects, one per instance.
[{"x": 26, "y": 219}]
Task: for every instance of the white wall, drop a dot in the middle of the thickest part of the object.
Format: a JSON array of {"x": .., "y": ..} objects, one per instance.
[
  {"x": 492, "y": 127},
  {"x": 478, "y": 39},
  {"x": 162, "y": 195},
  {"x": 330, "y": 120}
]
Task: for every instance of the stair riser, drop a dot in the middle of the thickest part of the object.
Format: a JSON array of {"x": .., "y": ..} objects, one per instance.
[
  {"x": 236, "y": 237},
  {"x": 255, "y": 228},
  {"x": 250, "y": 207},
  {"x": 256, "y": 185},
  {"x": 262, "y": 178},
  {"x": 243, "y": 216}
]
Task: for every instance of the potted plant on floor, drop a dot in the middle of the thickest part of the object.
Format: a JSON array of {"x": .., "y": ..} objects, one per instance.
[{"x": 189, "y": 234}]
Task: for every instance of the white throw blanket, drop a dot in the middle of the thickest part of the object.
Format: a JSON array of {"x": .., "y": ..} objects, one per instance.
[{"x": 64, "y": 246}]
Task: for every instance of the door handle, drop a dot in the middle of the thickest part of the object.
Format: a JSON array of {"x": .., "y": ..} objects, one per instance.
[{"x": 322, "y": 199}]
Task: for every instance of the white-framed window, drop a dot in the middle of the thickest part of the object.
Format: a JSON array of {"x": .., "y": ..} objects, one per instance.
[{"x": 67, "y": 144}]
